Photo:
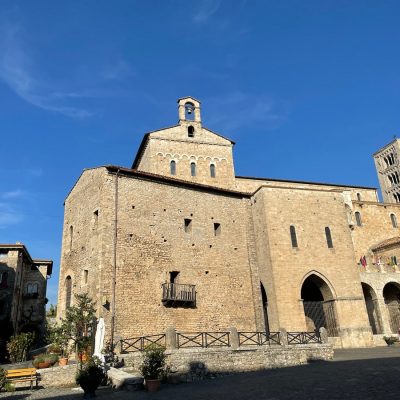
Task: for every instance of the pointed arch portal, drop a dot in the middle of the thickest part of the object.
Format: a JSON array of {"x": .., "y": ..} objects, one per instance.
[
  {"x": 391, "y": 294},
  {"x": 319, "y": 305},
  {"x": 372, "y": 309}
]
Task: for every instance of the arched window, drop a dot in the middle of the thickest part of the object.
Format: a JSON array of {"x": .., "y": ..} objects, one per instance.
[
  {"x": 293, "y": 236},
  {"x": 190, "y": 131},
  {"x": 328, "y": 237},
  {"x": 189, "y": 111},
  {"x": 193, "y": 169},
  {"x": 358, "y": 196},
  {"x": 394, "y": 220},
  {"x": 172, "y": 167},
  {"x": 358, "y": 218},
  {"x": 212, "y": 170},
  {"x": 3, "y": 280},
  {"x": 68, "y": 291}
]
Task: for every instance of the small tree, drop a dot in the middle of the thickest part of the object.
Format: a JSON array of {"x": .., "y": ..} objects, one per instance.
[
  {"x": 78, "y": 321},
  {"x": 19, "y": 345}
]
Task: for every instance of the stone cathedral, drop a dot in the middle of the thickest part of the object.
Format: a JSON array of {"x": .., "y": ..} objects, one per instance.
[{"x": 178, "y": 240}]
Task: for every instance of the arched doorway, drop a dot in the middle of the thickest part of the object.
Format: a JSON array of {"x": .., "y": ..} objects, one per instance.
[
  {"x": 391, "y": 294},
  {"x": 319, "y": 305},
  {"x": 265, "y": 307},
  {"x": 372, "y": 308}
]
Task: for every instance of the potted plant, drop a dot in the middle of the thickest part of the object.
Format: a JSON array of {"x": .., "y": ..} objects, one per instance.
[
  {"x": 45, "y": 361},
  {"x": 3, "y": 378},
  {"x": 89, "y": 377},
  {"x": 390, "y": 340},
  {"x": 60, "y": 344},
  {"x": 153, "y": 366}
]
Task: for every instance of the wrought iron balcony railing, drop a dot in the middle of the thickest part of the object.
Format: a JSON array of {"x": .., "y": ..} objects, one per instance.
[{"x": 177, "y": 295}]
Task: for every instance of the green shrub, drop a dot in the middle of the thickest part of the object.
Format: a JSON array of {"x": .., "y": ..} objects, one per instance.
[
  {"x": 2, "y": 378},
  {"x": 9, "y": 387},
  {"x": 19, "y": 346},
  {"x": 153, "y": 361},
  {"x": 45, "y": 358}
]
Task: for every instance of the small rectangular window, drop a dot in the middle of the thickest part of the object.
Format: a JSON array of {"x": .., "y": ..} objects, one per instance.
[
  {"x": 217, "y": 229},
  {"x": 293, "y": 236},
  {"x": 328, "y": 237},
  {"x": 188, "y": 225},
  {"x": 85, "y": 276}
]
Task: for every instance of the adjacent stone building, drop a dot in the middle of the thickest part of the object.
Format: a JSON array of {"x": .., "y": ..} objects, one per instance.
[
  {"x": 23, "y": 284},
  {"x": 179, "y": 240}
]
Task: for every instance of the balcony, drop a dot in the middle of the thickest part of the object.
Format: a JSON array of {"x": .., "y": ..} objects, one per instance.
[
  {"x": 30, "y": 295},
  {"x": 177, "y": 295}
]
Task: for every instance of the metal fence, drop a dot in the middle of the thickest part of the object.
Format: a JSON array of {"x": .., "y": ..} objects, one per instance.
[
  {"x": 303, "y": 337},
  {"x": 140, "y": 343},
  {"x": 202, "y": 339},
  {"x": 394, "y": 315},
  {"x": 321, "y": 314},
  {"x": 259, "y": 338}
]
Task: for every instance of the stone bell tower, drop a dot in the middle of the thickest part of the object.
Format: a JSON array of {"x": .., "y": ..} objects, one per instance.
[{"x": 387, "y": 164}]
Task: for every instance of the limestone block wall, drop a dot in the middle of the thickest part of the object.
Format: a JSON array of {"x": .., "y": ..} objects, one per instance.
[
  {"x": 81, "y": 252},
  {"x": 376, "y": 226},
  {"x": 204, "y": 149},
  {"x": 252, "y": 184},
  {"x": 152, "y": 242},
  {"x": 310, "y": 211}
]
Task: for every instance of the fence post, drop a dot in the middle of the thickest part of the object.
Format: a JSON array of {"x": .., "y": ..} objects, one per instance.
[
  {"x": 283, "y": 339},
  {"x": 323, "y": 334},
  {"x": 233, "y": 338},
  {"x": 170, "y": 338}
]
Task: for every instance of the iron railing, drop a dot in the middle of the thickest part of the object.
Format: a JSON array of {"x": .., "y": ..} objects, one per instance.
[
  {"x": 303, "y": 337},
  {"x": 175, "y": 294},
  {"x": 141, "y": 342},
  {"x": 259, "y": 338},
  {"x": 203, "y": 339}
]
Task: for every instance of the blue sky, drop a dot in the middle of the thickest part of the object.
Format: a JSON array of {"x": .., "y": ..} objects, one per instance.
[{"x": 307, "y": 89}]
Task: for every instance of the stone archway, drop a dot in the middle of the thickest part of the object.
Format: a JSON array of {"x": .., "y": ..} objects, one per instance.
[
  {"x": 371, "y": 303},
  {"x": 391, "y": 294},
  {"x": 319, "y": 305}
]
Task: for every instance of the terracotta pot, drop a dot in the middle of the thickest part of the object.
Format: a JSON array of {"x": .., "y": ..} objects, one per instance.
[
  {"x": 152, "y": 385},
  {"x": 63, "y": 361},
  {"x": 42, "y": 365}
]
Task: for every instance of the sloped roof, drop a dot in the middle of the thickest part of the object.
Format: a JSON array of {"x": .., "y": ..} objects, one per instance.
[{"x": 386, "y": 243}]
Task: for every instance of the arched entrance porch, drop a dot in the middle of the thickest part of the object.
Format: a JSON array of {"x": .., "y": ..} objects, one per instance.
[
  {"x": 319, "y": 305},
  {"x": 371, "y": 303},
  {"x": 391, "y": 294}
]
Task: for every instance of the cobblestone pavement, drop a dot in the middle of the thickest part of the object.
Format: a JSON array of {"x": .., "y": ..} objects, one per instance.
[{"x": 354, "y": 374}]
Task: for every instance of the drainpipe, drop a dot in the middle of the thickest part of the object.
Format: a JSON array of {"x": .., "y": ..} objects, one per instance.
[{"x": 114, "y": 277}]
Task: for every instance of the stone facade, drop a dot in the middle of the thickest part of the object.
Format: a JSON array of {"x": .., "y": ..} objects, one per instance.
[
  {"x": 23, "y": 284},
  {"x": 178, "y": 240}
]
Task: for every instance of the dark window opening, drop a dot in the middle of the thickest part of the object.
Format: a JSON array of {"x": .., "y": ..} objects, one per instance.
[
  {"x": 328, "y": 237},
  {"x": 212, "y": 170},
  {"x": 394, "y": 220},
  {"x": 193, "y": 169},
  {"x": 71, "y": 235},
  {"x": 293, "y": 236},
  {"x": 3, "y": 280},
  {"x": 217, "y": 229},
  {"x": 172, "y": 167},
  {"x": 173, "y": 275},
  {"x": 190, "y": 131},
  {"x": 68, "y": 291},
  {"x": 188, "y": 225},
  {"x": 358, "y": 218},
  {"x": 358, "y": 196},
  {"x": 85, "y": 276}
]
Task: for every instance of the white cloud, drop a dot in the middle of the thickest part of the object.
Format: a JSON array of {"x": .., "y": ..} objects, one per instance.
[
  {"x": 12, "y": 194},
  {"x": 238, "y": 110},
  {"x": 8, "y": 216},
  {"x": 120, "y": 69},
  {"x": 205, "y": 10},
  {"x": 17, "y": 71}
]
